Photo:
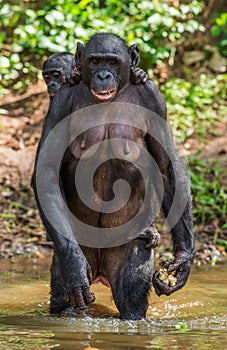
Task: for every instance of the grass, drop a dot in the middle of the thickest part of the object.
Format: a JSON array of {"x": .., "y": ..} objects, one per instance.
[
  {"x": 195, "y": 108},
  {"x": 209, "y": 191}
]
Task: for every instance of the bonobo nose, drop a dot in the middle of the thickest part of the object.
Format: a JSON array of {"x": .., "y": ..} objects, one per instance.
[
  {"x": 104, "y": 74},
  {"x": 51, "y": 83}
]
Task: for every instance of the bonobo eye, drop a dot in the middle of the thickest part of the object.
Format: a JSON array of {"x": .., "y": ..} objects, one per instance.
[
  {"x": 113, "y": 62},
  {"x": 94, "y": 61},
  {"x": 45, "y": 77},
  {"x": 56, "y": 75}
]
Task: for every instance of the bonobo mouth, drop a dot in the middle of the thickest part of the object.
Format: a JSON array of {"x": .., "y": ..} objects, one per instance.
[
  {"x": 51, "y": 94},
  {"x": 105, "y": 95}
]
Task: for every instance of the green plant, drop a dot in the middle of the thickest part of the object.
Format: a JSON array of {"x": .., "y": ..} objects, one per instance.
[
  {"x": 181, "y": 325},
  {"x": 208, "y": 190},
  {"x": 222, "y": 243},
  {"x": 219, "y": 30},
  {"x": 32, "y": 30},
  {"x": 195, "y": 107}
]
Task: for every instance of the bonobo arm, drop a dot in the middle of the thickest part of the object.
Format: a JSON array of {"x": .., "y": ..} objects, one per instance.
[
  {"x": 176, "y": 203},
  {"x": 75, "y": 271}
]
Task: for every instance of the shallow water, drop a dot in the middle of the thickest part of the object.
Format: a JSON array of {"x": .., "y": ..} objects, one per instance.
[{"x": 25, "y": 323}]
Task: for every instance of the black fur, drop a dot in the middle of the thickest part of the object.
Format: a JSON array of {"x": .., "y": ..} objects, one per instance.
[{"x": 105, "y": 63}]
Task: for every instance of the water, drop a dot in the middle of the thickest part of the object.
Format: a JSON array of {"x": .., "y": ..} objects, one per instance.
[{"x": 201, "y": 306}]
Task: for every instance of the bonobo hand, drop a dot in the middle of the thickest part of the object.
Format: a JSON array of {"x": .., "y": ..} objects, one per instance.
[
  {"x": 182, "y": 264},
  {"x": 80, "y": 296},
  {"x": 74, "y": 77},
  {"x": 77, "y": 277},
  {"x": 138, "y": 76}
]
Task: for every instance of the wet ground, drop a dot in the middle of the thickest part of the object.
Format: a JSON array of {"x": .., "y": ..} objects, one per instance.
[{"x": 193, "y": 318}]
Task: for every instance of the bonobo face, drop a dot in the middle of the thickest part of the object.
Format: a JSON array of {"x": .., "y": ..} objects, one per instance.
[
  {"x": 54, "y": 80},
  {"x": 105, "y": 65},
  {"x": 104, "y": 76},
  {"x": 55, "y": 70}
]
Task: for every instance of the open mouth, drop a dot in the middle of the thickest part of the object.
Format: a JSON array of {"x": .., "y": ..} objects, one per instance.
[{"x": 104, "y": 95}]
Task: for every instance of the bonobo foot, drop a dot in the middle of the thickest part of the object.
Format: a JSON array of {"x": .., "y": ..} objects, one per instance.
[
  {"x": 152, "y": 235},
  {"x": 74, "y": 312},
  {"x": 57, "y": 306}
]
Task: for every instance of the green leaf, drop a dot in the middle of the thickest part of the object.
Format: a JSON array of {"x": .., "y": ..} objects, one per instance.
[
  {"x": 181, "y": 325},
  {"x": 4, "y": 62},
  {"x": 216, "y": 30},
  {"x": 55, "y": 17}
]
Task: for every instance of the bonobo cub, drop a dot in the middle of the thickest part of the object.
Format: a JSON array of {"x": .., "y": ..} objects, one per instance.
[
  {"x": 60, "y": 68},
  {"x": 118, "y": 147}
]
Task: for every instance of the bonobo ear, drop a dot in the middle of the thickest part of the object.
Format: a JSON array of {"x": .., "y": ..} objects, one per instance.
[
  {"x": 79, "y": 50},
  {"x": 134, "y": 54}
]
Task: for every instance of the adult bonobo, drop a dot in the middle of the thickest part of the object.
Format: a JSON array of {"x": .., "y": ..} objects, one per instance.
[
  {"x": 128, "y": 268},
  {"x": 60, "y": 68}
]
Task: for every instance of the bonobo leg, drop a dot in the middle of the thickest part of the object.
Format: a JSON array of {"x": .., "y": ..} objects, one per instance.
[
  {"x": 58, "y": 302},
  {"x": 130, "y": 268}
]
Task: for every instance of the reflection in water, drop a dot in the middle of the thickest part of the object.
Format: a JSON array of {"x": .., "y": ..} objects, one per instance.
[{"x": 25, "y": 322}]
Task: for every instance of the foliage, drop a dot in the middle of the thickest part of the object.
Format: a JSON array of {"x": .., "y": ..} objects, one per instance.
[
  {"x": 32, "y": 30},
  {"x": 219, "y": 29},
  {"x": 209, "y": 193},
  {"x": 222, "y": 243},
  {"x": 181, "y": 325},
  {"x": 195, "y": 107}
]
